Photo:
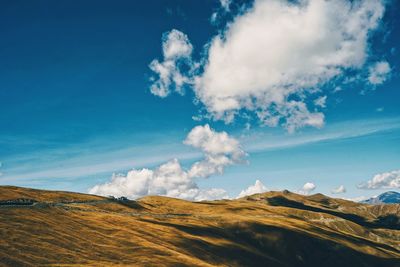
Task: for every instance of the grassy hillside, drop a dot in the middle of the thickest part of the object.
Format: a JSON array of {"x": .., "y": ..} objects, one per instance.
[{"x": 271, "y": 229}]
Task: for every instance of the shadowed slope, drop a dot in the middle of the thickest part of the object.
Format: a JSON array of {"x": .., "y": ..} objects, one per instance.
[{"x": 271, "y": 229}]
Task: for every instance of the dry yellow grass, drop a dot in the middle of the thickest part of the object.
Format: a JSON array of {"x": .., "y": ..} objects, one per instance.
[{"x": 271, "y": 229}]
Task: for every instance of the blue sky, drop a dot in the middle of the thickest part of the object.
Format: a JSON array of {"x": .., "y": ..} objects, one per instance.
[{"x": 75, "y": 103}]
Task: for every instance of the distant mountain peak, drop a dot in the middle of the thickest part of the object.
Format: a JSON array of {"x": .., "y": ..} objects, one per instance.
[{"x": 390, "y": 197}]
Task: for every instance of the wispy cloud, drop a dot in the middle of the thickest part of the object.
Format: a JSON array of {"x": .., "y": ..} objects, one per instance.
[
  {"x": 68, "y": 169},
  {"x": 100, "y": 156},
  {"x": 350, "y": 129},
  {"x": 103, "y": 158}
]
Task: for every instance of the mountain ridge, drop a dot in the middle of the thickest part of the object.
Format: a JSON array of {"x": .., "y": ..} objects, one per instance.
[
  {"x": 272, "y": 228},
  {"x": 389, "y": 197}
]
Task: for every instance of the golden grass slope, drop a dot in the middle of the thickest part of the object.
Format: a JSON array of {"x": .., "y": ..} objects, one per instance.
[{"x": 270, "y": 229}]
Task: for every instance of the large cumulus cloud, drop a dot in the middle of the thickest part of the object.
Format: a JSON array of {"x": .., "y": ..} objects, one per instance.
[{"x": 273, "y": 59}]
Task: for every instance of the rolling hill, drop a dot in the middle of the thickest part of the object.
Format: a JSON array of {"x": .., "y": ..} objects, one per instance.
[{"x": 51, "y": 228}]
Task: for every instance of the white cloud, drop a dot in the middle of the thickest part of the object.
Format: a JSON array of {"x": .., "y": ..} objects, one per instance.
[
  {"x": 337, "y": 89},
  {"x": 225, "y": 7},
  {"x": 320, "y": 101},
  {"x": 176, "y": 51},
  {"x": 307, "y": 188},
  {"x": 220, "y": 150},
  {"x": 297, "y": 116},
  {"x": 214, "y": 143},
  {"x": 379, "y": 72},
  {"x": 384, "y": 180},
  {"x": 277, "y": 50},
  {"x": 272, "y": 57},
  {"x": 171, "y": 179},
  {"x": 225, "y": 4},
  {"x": 339, "y": 190},
  {"x": 176, "y": 44},
  {"x": 257, "y": 188},
  {"x": 357, "y": 199}
]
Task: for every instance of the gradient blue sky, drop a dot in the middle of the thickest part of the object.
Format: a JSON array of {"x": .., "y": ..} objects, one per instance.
[{"x": 75, "y": 104}]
